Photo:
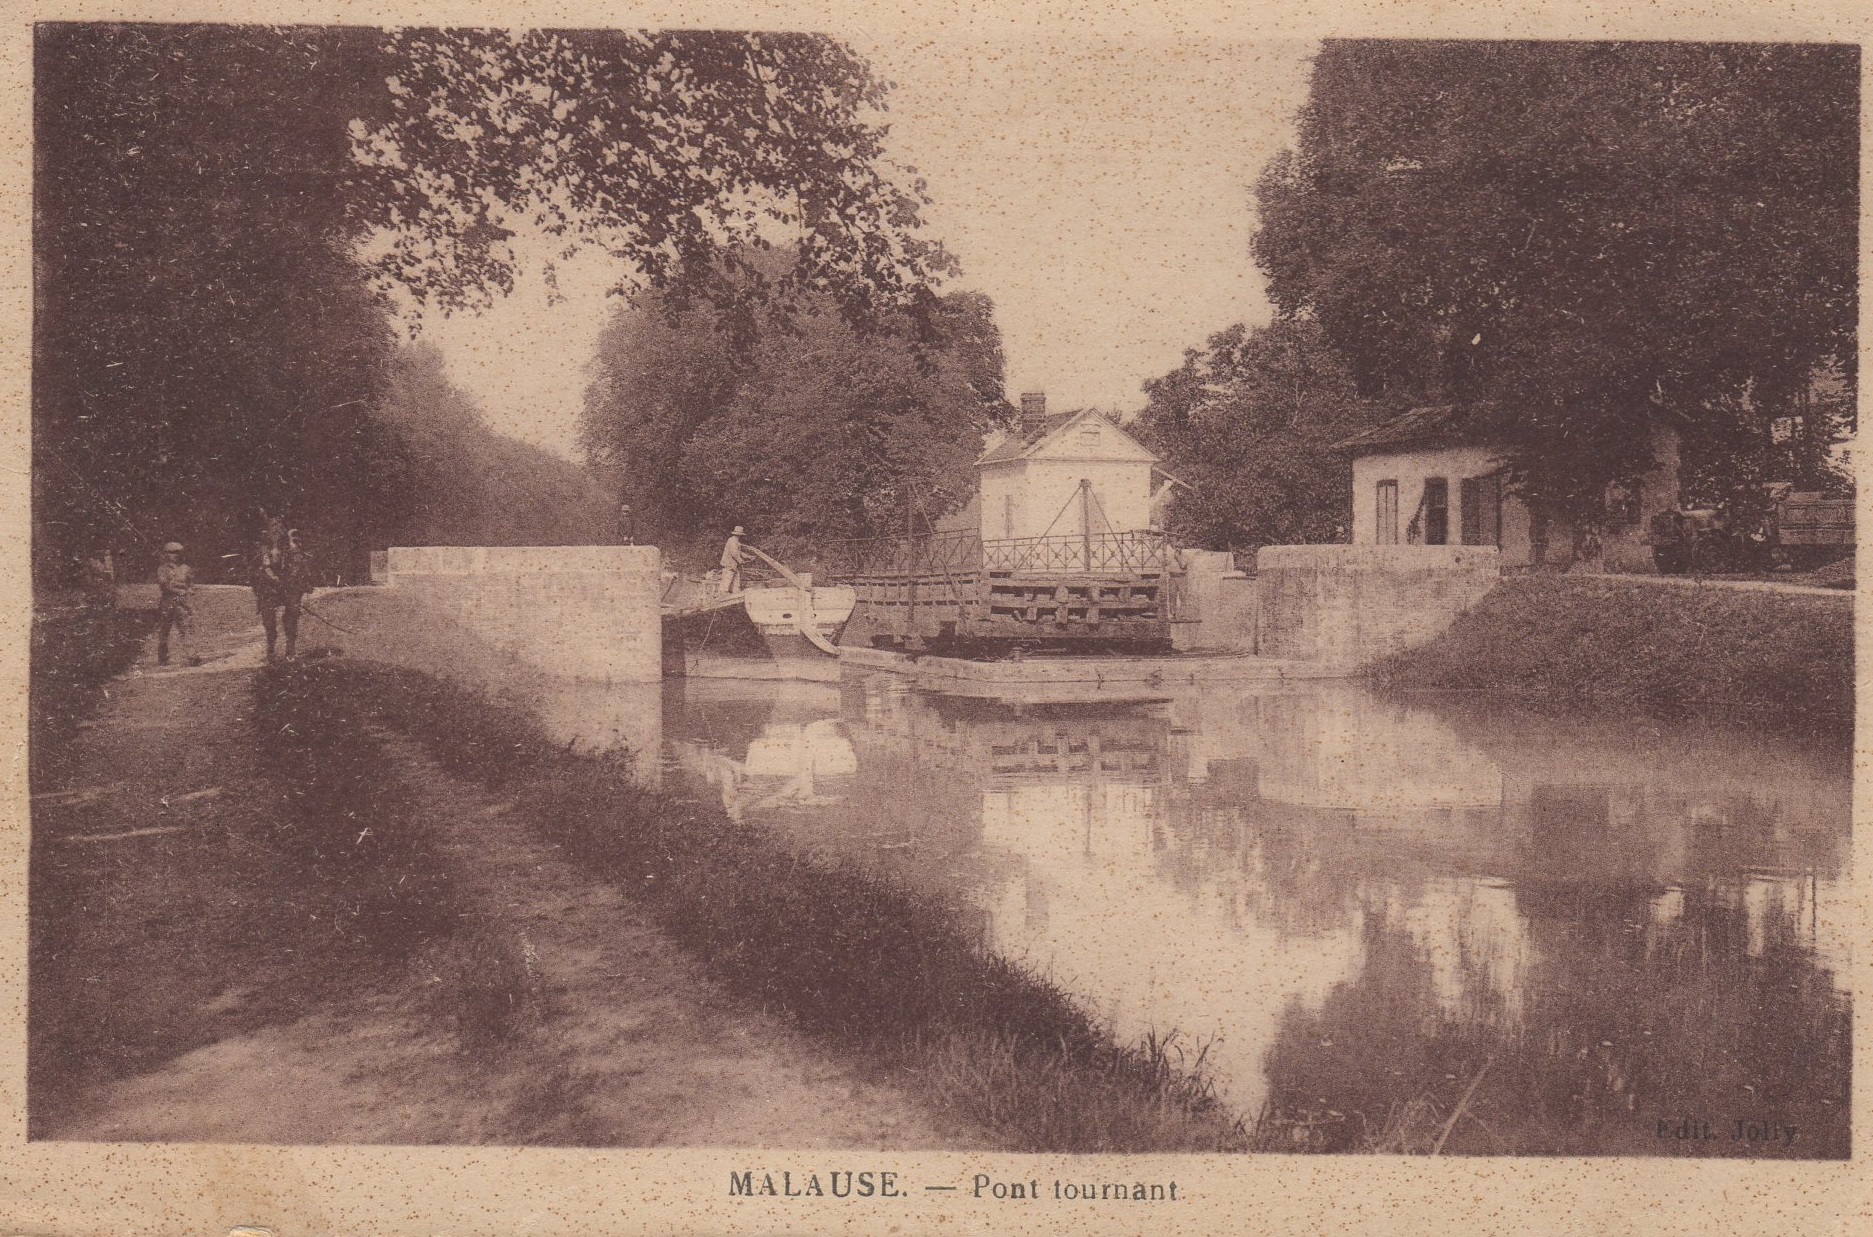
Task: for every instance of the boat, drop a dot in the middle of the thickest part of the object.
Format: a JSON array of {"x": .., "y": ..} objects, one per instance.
[{"x": 800, "y": 621}]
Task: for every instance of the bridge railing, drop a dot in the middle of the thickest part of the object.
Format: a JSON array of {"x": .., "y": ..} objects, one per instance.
[
  {"x": 934, "y": 554},
  {"x": 955, "y": 554},
  {"x": 1135, "y": 553}
]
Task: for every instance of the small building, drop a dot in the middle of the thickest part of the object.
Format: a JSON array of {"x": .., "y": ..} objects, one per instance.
[
  {"x": 1067, "y": 475},
  {"x": 1057, "y": 547},
  {"x": 1436, "y": 476}
]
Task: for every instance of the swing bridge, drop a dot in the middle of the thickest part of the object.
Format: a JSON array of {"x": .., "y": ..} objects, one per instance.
[{"x": 1072, "y": 590}]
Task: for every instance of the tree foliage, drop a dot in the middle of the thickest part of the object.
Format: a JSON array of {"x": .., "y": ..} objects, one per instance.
[
  {"x": 203, "y": 341},
  {"x": 1591, "y": 235},
  {"x": 1247, "y": 424},
  {"x": 677, "y": 151},
  {"x": 220, "y": 212},
  {"x": 818, "y": 429}
]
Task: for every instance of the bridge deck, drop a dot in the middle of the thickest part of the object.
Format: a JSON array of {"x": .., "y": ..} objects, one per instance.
[{"x": 1115, "y": 587}]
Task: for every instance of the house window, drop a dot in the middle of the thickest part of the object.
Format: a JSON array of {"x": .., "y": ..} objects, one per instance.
[
  {"x": 1386, "y": 526},
  {"x": 1480, "y": 510},
  {"x": 1089, "y": 435},
  {"x": 1008, "y": 515},
  {"x": 1436, "y": 511}
]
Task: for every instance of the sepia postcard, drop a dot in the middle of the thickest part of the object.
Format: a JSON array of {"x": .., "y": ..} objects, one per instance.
[{"x": 1113, "y": 618}]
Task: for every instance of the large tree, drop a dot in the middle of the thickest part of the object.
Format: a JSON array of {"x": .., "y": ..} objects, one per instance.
[
  {"x": 1247, "y": 426},
  {"x": 684, "y": 153},
  {"x": 212, "y": 202},
  {"x": 817, "y": 428},
  {"x": 204, "y": 342},
  {"x": 1591, "y": 235}
]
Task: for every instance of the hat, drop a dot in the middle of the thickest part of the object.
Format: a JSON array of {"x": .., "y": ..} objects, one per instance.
[
  {"x": 174, "y": 547},
  {"x": 737, "y": 531}
]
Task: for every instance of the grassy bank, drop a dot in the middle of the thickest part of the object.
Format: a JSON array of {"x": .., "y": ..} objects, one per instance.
[
  {"x": 862, "y": 962},
  {"x": 76, "y": 651},
  {"x": 1600, "y": 643}
]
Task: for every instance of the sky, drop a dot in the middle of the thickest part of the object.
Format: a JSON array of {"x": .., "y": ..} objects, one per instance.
[{"x": 1100, "y": 193}]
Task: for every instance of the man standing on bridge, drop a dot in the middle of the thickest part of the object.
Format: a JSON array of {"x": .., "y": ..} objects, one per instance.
[{"x": 732, "y": 558}]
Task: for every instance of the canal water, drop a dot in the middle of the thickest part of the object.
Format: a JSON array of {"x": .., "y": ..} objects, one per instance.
[{"x": 1370, "y": 915}]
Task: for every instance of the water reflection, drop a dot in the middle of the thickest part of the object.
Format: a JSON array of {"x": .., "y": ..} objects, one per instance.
[
  {"x": 1361, "y": 906},
  {"x": 600, "y": 717}
]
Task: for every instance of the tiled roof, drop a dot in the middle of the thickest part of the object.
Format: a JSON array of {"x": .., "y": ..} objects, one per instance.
[
  {"x": 1017, "y": 443},
  {"x": 1436, "y": 423}
]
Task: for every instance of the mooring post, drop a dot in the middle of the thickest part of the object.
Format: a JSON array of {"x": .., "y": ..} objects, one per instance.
[{"x": 1086, "y": 523}]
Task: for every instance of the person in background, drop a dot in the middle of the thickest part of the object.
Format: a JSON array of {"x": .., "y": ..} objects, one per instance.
[
  {"x": 175, "y": 590},
  {"x": 101, "y": 578},
  {"x": 627, "y": 527},
  {"x": 732, "y": 558}
]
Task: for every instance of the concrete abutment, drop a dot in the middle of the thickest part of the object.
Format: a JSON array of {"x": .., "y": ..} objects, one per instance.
[{"x": 575, "y": 612}]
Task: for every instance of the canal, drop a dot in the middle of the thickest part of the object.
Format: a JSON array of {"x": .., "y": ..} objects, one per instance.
[{"x": 1379, "y": 921}]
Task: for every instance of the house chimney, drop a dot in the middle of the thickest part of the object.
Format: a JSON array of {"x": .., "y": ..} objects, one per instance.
[{"x": 1033, "y": 412}]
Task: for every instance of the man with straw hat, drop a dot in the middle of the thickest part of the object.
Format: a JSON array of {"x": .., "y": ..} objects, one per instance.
[
  {"x": 732, "y": 558},
  {"x": 175, "y": 590}
]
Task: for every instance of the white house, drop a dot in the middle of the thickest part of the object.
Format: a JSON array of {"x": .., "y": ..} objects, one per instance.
[
  {"x": 1063, "y": 476},
  {"x": 1435, "y": 476}
]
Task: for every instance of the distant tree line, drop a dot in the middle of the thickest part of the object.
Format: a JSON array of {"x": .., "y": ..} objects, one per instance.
[
  {"x": 468, "y": 485},
  {"x": 1591, "y": 236}
]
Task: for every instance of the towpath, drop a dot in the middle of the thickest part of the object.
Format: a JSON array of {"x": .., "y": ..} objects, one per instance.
[{"x": 193, "y": 980}]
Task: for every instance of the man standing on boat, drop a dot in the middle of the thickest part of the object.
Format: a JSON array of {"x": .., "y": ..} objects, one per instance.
[{"x": 732, "y": 558}]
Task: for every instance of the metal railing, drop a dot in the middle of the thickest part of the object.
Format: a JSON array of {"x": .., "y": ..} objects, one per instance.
[
  {"x": 964, "y": 553},
  {"x": 1133, "y": 553},
  {"x": 934, "y": 554}
]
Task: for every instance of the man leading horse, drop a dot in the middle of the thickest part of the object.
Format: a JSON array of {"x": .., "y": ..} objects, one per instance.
[{"x": 282, "y": 578}]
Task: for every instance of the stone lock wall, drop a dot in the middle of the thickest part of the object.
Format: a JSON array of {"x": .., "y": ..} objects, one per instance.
[
  {"x": 1353, "y": 605},
  {"x": 575, "y": 612},
  {"x": 1216, "y": 609}
]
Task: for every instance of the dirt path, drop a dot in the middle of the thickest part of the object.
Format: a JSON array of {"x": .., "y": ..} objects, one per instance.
[{"x": 193, "y": 980}]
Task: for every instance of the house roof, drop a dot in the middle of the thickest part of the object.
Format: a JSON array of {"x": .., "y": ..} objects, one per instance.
[
  {"x": 1435, "y": 423},
  {"x": 1019, "y": 445}
]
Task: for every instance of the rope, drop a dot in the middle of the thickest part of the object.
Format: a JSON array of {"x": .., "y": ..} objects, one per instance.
[
  {"x": 1071, "y": 498},
  {"x": 306, "y": 607}
]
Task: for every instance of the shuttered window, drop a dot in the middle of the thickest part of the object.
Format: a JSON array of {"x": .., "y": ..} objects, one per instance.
[
  {"x": 1386, "y": 527},
  {"x": 1480, "y": 510}
]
